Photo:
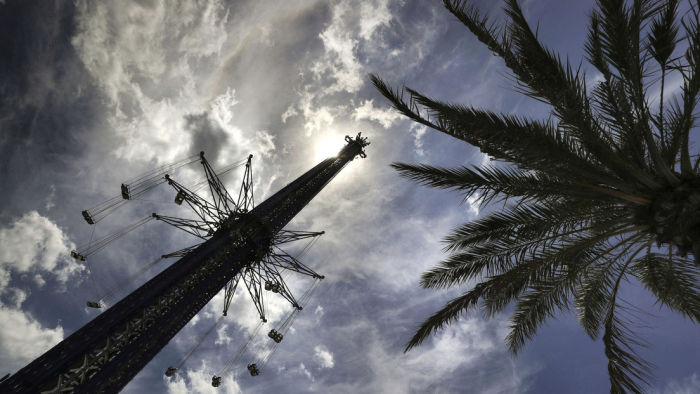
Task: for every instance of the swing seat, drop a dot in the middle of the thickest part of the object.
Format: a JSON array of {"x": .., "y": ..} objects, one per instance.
[
  {"x": 253, "y": 368},
  {"x": 170, "y": 371},
  {"x": 77, "y": 255},
  {"x": 179, "y": 198},
  {"x": 276, "y": 336},
  {"x": 88, "y": 218},
  {"x": 125, "y": 192},
  {"x": 93, "y": 304}
]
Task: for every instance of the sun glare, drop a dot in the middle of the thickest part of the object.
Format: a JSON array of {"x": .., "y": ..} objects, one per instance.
[{"x": 329, "y": 146}]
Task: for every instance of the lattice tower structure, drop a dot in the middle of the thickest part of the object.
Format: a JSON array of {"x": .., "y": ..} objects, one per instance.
[{"x": 109, "y": 351}]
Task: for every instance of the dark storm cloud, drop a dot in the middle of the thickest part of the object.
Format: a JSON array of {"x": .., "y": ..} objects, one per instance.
[{"x": 46, "y": 104}]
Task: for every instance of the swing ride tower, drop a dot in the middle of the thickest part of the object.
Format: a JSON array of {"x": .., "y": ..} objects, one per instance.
[{"x": 109, "y": 351}]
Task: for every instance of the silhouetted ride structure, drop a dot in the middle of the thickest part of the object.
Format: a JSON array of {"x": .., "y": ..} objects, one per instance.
[{"x": 239, "y": 242}]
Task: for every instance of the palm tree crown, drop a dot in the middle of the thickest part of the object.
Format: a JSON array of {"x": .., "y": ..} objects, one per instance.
[{"x": 595, "y": 190}]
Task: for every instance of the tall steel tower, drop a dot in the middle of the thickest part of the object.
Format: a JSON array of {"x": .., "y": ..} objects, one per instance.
[{"x": 108, "y": 352}]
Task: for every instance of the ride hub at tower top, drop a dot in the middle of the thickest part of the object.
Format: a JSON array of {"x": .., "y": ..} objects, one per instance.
[{"x": 238, "y": 243}]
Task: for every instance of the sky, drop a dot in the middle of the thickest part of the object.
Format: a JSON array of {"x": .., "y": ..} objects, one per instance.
[{"x": 93, "y": 93}]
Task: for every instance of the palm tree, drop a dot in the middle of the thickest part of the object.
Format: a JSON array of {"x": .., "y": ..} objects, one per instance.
[{"x": 605, "y": 194}]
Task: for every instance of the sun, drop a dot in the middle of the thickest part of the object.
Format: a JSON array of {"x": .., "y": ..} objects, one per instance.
[{"x": 328, "y": 146}]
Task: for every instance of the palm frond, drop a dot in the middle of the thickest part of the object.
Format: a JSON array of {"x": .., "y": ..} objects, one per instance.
[
  {"x": 490, "y": 182},
  {"x": 690, "y": 89},
  {"x": 620, "y": 44},
  {"x": 626, "y": 368},
  {"x": 470, "y": 16},
  {"x": 533, "y": 221},
  {"x": 499, "y": 290},
  {"x": 508, "y": 138},
  {"x": 499, "y": 256},
  {"x": 663, "y": 34},
  {"x": 544, "y": 76},
  {"x": 547, "y": 297},
  {"x": 564, "y": 90},
  {"x": 529, "y": 144},
  {"x": 542, "y": 266},
  {"x": 592, "y": 298},
  {"x": 616, "y": 113},
  {"x": 544, "y": 300},
  {"x": 450, "y": 313},
  {"x": 674, "y": 282},
  {"x": 662, "y": 40}
]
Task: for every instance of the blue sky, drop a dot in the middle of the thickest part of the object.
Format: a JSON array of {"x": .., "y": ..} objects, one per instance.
[{"x": 93, "y": 93}]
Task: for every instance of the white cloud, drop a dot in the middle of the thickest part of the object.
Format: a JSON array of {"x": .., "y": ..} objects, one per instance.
[
  {"x": 340, "y": 62},
  {"x": 291, "y": 111},
  {"x": 689, "y": 385},
  {"x": 38, "y": 279},
  {"x": 50, "y": 198},
  {"x": 323, "y": 357},
  {"x": 18, "y": 297},
  {"x": 319, "y": 313},
  {"x": 467, "y": 347},
  {"x": 118, "y": 43},
  {"x": 265, "y": 35},
  {"x": 418, "y": 133},
  {"x": 154, "y": 100},
  {"x": 243, "y": 312},
  {"x": 22, "y": 338},
  {"x": 373, "y": 15},
  {"x": 261, "y": 142},
  {"x": 204, "y": 26},
  {"x": 338, "y": 70},
  {"x": 385, "y": 116},
  {"x": 34, "y": 243},
  {"x": 304, "y": 371},
  {"x": 222, "y": 336},
  {"x": 194, "y": 320},
  {"x": 317, "y": 117},
  {"x": 406, "y": 248},
  {"x": 141, "y": 57},
  {"x": 5, "y": 277},
  {"x": 221, "y": 106},
  {"x": 191, "y": 382},
  {"x": 474, "y": 202}
]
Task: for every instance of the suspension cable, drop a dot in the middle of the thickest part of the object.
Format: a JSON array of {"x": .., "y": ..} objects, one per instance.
[
  {"x": 264, "y": 353},
  {"x": 143, "y": 183},
  {"x": 132, "y": 188},
  {"x": 302, "y": 302},
  {"x": 284, "y": 272},
  {"x": 100, "y": 211},
  {"x": 202, "y": 181},
  {"x": 196, "y": 345},
  {"x": 157, "y": 172},
  {"x": 306, "y": 248},
  {"x": 115, "y": 290},
  {"x": 266, "y": 356},
  {"x": 90, "y": 268},
  {"x": 84, "y": 251},
  {"x": 228, "y": 367}
]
